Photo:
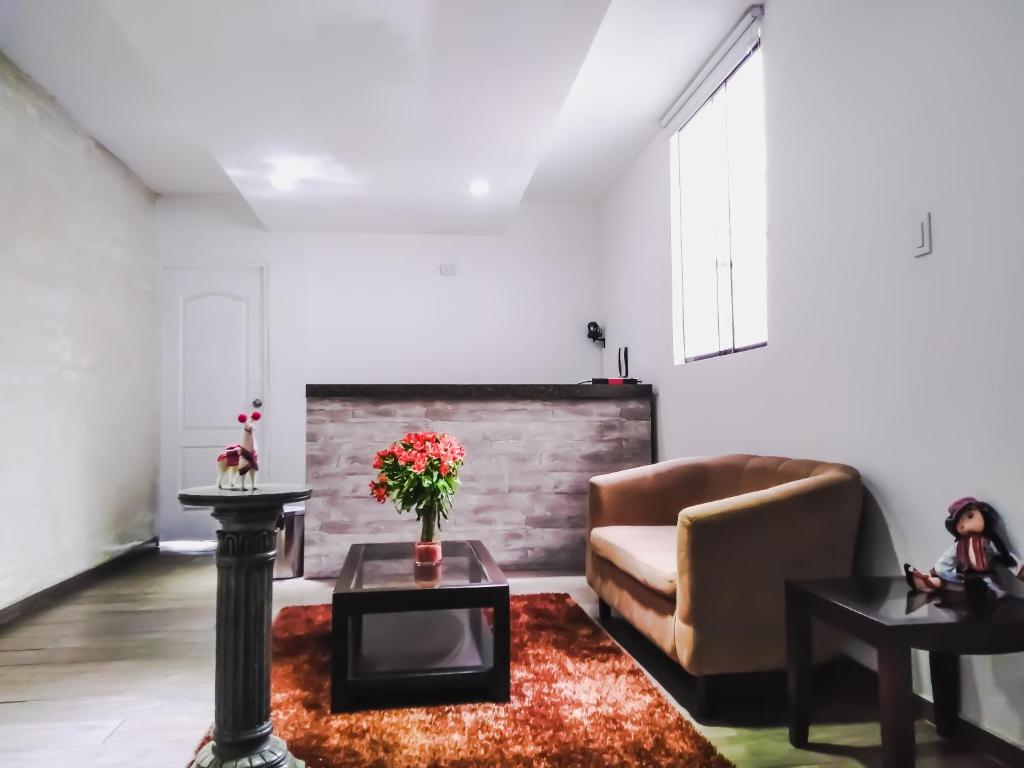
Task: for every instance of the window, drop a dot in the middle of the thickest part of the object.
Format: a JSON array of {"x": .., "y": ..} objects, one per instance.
[{"x": 720, "y": 302}]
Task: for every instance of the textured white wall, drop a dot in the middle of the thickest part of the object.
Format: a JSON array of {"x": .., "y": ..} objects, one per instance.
[
  {"x": 77, "y": 334},
  {"x": 909, "y": 369},
  {"x": 351, "y": 309}
]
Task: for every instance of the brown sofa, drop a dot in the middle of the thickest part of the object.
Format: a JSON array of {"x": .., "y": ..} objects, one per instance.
[{"x": 694, "y": 552}]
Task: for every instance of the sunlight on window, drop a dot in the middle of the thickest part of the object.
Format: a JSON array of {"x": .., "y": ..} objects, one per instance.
[{"x": 719, "y": 233}]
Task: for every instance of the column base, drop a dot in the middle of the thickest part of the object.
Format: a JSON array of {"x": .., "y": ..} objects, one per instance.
[{"x": 274, "y": 755}]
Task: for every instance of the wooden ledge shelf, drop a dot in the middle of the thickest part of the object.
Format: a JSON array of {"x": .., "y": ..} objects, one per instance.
[{"x": 483, "y": 391}]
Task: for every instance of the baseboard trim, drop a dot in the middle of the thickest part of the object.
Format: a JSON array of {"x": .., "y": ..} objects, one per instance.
[
  {"x": 967, "y": 734},
  {"x": 976, "y": 738},
  {"x": 48, "y": 596}
]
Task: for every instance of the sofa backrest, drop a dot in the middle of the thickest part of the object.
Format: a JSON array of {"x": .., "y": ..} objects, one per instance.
[
  {"x": 743, "y": 473},
  {"x": 656, "y": 493}
]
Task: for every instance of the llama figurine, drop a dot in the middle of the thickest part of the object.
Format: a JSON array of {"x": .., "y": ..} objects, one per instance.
[{"x": 240, "y": 460}]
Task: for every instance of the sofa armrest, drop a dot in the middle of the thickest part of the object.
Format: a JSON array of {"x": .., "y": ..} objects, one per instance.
[
  {"x": 648, "y": 495},
  {"x": 735, "y": 554}
]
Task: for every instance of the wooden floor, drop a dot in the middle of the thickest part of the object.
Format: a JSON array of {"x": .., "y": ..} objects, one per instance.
[{"x": 121, "y": 675}]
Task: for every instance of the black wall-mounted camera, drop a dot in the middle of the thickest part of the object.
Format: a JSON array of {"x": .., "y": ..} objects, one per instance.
[{"x": 595, "y": 332}]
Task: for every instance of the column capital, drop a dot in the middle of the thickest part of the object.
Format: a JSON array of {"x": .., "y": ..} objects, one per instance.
[{"x": 227, "y": 501}]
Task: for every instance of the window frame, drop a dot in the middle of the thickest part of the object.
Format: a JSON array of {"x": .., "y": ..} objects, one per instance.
[{"x": 678, "y": 320}]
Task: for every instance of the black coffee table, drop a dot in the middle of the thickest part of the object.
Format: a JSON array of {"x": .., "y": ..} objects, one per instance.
[
  {"x": 886, "y": 614},
  {"x": 404, "y": 635}
]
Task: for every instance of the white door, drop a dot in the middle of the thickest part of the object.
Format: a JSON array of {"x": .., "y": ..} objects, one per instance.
[{"x": 213, "y": 345}]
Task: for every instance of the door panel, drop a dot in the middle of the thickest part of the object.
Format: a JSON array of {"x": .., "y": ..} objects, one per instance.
[
  {"x": 214, "y": 359},
  {"x": 196, "y": 462},
  {"x": 214, "y": 364}
]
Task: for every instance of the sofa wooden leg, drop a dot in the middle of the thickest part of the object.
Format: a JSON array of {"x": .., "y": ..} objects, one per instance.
[
  {"x": 705, "y": 705},
  {"x": 603, "y": 610}
]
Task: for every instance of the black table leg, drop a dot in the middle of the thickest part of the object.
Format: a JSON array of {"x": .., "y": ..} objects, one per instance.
[
  {"x": 340, "y": 651},
  {"x": 501, "y": 680},
  {"x": 945, "y": 671},
  {"x": 896, "y": 702},
  {"x": 799, "y": 660},
  {"x": 355, "y": 628}
]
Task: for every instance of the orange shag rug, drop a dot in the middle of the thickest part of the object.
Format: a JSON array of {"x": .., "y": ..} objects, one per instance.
[{"x": 577, "y": 700}]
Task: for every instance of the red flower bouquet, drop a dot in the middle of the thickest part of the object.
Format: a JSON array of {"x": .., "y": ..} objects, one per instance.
[{"x": 420, "y": 472}]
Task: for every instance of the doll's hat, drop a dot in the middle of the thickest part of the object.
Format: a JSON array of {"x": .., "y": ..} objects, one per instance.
[{"x": 956, "y": 509}]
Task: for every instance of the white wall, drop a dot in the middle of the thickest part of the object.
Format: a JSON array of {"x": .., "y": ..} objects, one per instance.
[
  {"x": 77, "y": 333},
  {"x": 909, "y": 369},
  {"x": 347, "y": 308}
]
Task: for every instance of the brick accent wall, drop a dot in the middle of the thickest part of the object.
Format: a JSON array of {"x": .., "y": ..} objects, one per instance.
[{"x": 524, "y": 491}]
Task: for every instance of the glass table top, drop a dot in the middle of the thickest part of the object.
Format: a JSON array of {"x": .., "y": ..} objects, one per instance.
[
  {"x": 890, "y": 601},
  {"x": 391, "y": 567}
]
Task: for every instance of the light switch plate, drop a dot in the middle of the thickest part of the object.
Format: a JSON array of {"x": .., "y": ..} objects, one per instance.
[
  {"x": 448, "y": 270},
  {"x": 923, "y": 246}
]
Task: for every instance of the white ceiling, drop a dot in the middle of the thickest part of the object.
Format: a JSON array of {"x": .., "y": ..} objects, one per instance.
[
  {"x": 77, "y": 52},
  {"x": 644, "y": 54},
  {"x": 383, "y": 111}
]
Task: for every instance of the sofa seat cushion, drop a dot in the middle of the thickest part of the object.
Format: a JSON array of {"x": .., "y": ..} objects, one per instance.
[{"x": 648, "y": 553}]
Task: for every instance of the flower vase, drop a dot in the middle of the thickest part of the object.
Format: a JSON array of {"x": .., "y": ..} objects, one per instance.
[
  {"x": 428, "y": 548},
  {"x": 428, "y": 552},
  {"x": 427, "y": 563}
]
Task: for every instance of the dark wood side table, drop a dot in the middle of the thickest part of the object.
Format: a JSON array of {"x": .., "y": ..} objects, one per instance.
[
  {"x": 886, "y": 614},
  {"x": 403, "y": 634},
  {"x": 243, "y": 735}
]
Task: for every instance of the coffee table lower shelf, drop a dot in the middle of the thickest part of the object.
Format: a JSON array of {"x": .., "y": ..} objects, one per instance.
[{"x": 396, "y": 643}]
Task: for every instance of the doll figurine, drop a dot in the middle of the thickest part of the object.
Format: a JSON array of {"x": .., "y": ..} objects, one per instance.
[{"x": 971, "y": 562}]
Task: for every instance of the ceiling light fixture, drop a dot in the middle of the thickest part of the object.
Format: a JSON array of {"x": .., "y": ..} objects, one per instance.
[
  {"x": 282, "y": 181},
  {"x": 289, "y": 169},
  {"x": 479, "y": 187}
]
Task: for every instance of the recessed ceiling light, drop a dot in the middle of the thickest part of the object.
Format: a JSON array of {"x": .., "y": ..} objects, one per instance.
[
  {"x": 296, "y": 166},
  {"x": 479, "y": 187},
  {"x": 282, "y": 181},
  {"x": 288, "y": 169}
]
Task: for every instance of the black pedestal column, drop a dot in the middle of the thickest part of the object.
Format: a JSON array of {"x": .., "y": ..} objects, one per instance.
[{"x": 246, "y": 547}]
